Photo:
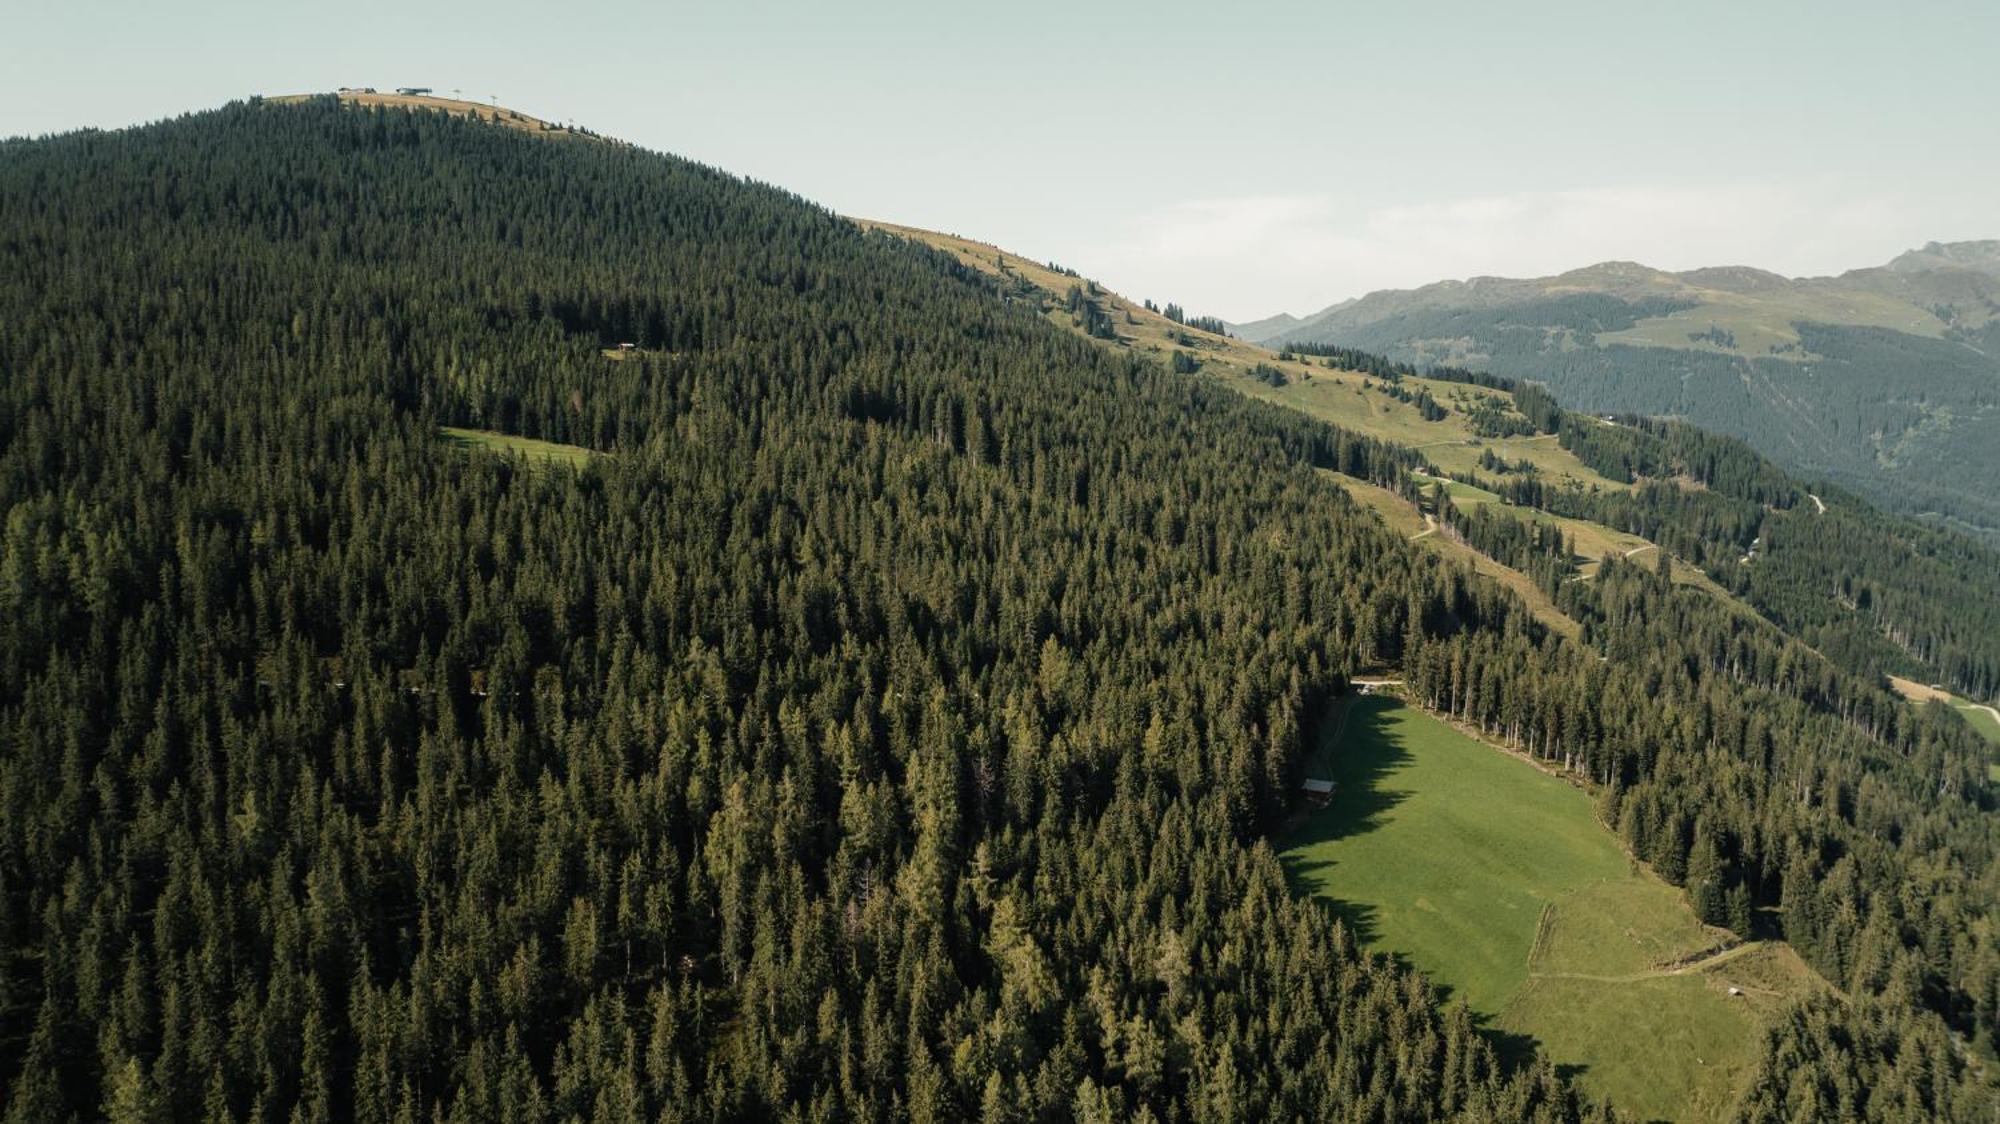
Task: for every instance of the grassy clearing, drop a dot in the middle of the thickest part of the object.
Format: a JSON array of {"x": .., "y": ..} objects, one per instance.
[
  {"x": 1980, "y": 717},
  {"x": 1495, "y": 879},
  {"x": 535, "y": 451},
  {"x": 1444, "y": 850},
  {"x": 1765, "y": 323}
]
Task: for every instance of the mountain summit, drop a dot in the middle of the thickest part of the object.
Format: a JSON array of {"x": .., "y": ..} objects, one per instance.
[{"x": 1980, "y": 257}]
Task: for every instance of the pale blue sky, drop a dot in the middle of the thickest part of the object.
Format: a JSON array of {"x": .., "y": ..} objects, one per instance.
[{"x": 1239, "y": 158}]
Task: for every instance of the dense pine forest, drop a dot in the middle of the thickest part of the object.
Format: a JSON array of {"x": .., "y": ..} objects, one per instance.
[{"x": 884, "y": 722}]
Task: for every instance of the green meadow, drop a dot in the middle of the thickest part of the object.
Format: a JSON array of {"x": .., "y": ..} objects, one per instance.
[
  {"x": 1496, "y": 880},
  {"x": 1980, "y": 717},
  {"x": 487, "y": 440}
]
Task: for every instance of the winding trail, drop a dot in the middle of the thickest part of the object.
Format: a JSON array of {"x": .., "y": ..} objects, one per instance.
[
  {"x": 1687, "y": 969},
  {"x": 1817, "y": 502}
]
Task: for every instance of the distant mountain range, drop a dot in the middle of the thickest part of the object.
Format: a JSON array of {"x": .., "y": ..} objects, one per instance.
[{"x": 1886, "y": 379}]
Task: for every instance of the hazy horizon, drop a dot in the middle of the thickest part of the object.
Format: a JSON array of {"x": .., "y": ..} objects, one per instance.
[{"x": 1279, "y": 160}]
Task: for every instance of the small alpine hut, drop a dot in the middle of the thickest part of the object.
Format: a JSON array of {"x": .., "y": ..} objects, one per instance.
[{"x": 1318, "y": 791}]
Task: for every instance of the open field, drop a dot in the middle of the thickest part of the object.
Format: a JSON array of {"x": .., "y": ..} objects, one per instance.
[
  {"x": 1494, "y": 878},
  {"x": 575, "y": 456},
  {"x": 1983, "y": 718},
  {"x": 1765, "y": 323}
]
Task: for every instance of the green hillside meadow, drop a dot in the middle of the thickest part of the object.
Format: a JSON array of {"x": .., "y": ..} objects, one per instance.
[{"x": 1494, "y": 878}]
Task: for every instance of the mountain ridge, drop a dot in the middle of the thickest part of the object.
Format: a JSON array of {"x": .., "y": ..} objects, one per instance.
[
  {"x": 1884, "y": 379},
  {"x": 1973, "y": 256}
]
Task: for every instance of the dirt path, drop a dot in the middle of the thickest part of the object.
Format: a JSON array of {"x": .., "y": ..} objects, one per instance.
[
  {"x": 1984, "y": 707},
  {"x": 1817, "y": 502},
  {"x": 1430, "y": 527},
  {"x": 1638, "y": 549},
  {"x": 1687, "y": 969}
]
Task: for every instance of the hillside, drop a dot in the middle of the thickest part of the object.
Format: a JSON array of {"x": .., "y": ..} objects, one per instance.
[
  {"x": 413, "y": 712},
  {"x": 1884, "y": 380},
  {"x": 1450, "y": 438},
  {"x": 455, "y": 107},
  {"x": 1875, "y": 593},
  {"x": 862, "y": 699}
]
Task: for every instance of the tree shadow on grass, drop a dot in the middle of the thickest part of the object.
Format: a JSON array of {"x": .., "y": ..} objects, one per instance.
[
  {"x": 1366, "y": 752},
  {"x": 1513, "y": 1048},
  {"x": 1361, "y": 756},
  {"x": 1516, "y": 1051}
]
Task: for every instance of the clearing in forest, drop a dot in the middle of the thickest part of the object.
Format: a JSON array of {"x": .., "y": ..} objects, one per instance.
[
  {"x": 1983, "y": 718},
  {"x": 534, "y": 450},
  {"x": 1496, "y": 880}
]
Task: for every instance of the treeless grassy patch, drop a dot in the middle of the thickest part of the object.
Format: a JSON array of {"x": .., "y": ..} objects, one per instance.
[
  {"x": 1496, "y": 879},
  {"x": 1403, "y": 516},
  {"x": 1982, "y": 718},
  {"x": 534, "y": 450}
]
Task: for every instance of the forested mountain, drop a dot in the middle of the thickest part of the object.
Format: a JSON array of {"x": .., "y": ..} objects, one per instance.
[
  {"x": 1885, "y": 380},
  {"x": 882, "y": 722},
  {"x": 1879, "y": 594}
]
